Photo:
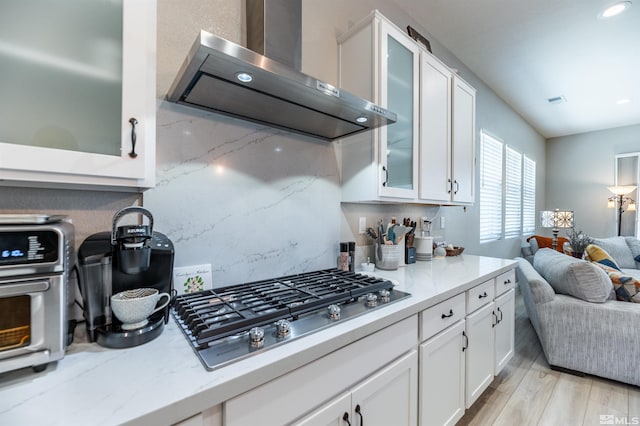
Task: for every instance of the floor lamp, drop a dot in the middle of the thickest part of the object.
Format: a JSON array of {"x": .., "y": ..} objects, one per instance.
[
  {"x": 622, "y": 200},
  {"x": 556, "y": 219}
]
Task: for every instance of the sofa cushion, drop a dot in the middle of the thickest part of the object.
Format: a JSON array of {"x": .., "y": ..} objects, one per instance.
[
  {"x": 634, "y": 246},
  {"x": 575, "y": 277},
  {"x": 617, "y": 248},
  {"x": 600, "y": 256},
  {"x": 542, "y": 242}
]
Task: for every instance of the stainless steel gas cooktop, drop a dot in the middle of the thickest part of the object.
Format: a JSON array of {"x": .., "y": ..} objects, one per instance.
[{"x": 231, "y": 323}]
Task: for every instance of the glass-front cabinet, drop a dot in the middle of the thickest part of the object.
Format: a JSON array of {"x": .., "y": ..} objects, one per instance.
[
  {"x": 78, "y": 93},
  {"x": 379, "y": 62}
]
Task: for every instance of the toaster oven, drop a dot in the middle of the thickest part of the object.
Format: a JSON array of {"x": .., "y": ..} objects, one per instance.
[{"x": 35, "y": 260}]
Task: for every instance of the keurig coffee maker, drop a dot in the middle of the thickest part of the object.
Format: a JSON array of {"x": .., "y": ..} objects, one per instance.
[{"x": 129, "y": 257}]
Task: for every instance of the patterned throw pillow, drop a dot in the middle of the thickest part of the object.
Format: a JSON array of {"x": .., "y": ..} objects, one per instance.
[{"x": 601, "y": 258}]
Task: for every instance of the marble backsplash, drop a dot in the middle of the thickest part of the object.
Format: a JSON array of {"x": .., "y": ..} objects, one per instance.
[{"x": 252, "y": 201}]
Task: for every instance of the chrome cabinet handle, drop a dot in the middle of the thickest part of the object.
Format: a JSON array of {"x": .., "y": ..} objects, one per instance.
[{"x": 133, "y": 122}]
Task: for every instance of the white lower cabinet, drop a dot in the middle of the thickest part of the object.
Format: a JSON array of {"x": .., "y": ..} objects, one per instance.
[
  {"x": 504, "y": 330},
  {"x": 387, "y": 398},
  {"x": 442, "y": 377},
  {"x": 365, "y": 369},
  {"x": 479, "y": 352}
]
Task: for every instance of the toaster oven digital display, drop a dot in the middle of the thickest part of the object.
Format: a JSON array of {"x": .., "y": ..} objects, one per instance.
[{"x": 22, "y": 247}]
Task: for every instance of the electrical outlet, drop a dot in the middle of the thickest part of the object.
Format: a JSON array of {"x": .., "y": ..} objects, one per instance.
[
  {"x": 189, "y": 279},
  {"x": 362, "y": 225},
  {"x": 441, "y": 222}
]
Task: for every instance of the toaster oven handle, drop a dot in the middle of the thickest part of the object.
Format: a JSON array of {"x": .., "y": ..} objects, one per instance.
[{"x": 8, "y": 290}]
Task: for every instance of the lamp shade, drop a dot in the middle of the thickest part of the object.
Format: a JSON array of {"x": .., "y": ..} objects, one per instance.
[
  {"x": 621, "y": 190},
  {"x": 556, "y": 219}
]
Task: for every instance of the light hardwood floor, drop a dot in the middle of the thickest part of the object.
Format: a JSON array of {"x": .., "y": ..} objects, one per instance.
[{"x": 528, "y": 392}]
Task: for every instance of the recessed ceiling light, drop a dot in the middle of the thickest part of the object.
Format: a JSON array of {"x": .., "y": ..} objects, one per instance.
[
  {"x": 623, "y": 101},
  {"x": 614, "y": 9},
  {"x": 244, "y": 77}
]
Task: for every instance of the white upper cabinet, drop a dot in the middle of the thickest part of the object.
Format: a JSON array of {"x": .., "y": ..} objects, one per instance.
[
  {"x": 78, "y": 94},
  {"x": 428, "y": 155},
  {"x": 380, "y": 62},
  {"x": 447, "y": 134}
]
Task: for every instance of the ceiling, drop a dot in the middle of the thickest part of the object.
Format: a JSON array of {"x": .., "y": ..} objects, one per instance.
[{"x": 528, "y": 51}]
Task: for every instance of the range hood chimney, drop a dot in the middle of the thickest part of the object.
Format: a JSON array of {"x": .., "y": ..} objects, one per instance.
[{"x": 263, "y": 84}]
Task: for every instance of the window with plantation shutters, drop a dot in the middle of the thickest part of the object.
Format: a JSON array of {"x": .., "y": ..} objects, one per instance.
[
  {"x": 490, "y": 188},
  {"x": 512, "y": 193},
  {"x": 528, "y": 196}
]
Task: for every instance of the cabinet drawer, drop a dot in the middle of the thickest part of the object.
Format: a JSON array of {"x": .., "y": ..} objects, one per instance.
[
  {"x": 480, "y": 295},
  {"x": 438, "y": 317},
  {"x": 505, "y": 282}
]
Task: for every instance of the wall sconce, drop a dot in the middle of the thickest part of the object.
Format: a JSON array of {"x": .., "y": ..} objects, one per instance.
[
  {"x": 622, "y": 200},
  {"x": 556, "y": 219}
]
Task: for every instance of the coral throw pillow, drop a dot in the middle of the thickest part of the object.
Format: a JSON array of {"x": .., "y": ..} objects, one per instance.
[{"x": 547, "y": 242}]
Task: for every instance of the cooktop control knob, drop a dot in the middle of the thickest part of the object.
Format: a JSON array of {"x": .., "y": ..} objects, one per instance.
[
  {"x": 256, "y": 337},
  {"x": 371, "y": 300},
  {"x": 283, "y": 328},
  {"x": 385, "y": 295},
  {"x": 334, "y": 312}
]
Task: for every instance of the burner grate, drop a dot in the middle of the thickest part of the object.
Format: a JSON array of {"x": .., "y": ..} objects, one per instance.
[{"x": 211, "y": 315}]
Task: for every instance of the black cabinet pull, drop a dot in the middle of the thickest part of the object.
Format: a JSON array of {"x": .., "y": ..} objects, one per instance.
[
  {"x": 500, "y": 310},
  {"x": 455, "y": 182},
  {"x": 360, "y": 414},
  {"x": 466, "y": 342},
  {"x": 450, "y": 314},
  {"x": 133, "y": 122},
  {"x": 386, "y": 175},
  {"x": 345, "y": 418},
  {"x": 483, "y": 295},
  {"x": 507, "y": 282},
  {"x": 495, "y": 317},
  {"x": 449, "y": 185}
]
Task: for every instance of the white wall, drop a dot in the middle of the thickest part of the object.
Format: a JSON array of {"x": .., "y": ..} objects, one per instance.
[{"x": 579, "y": 169}]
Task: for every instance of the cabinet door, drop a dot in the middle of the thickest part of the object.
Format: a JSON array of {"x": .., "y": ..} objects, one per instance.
[
  {"x": 335, "y": 413},
  {"x": 399, "y": 70},
  {"x": 504, "y": 330},
  {"x": 435, "y": 129},
  {"x": 479, "y": 352},
  {"x": 463, "y": 141},
  {"x": 442, "y": 377},
  {"x": 390, "y": 397},
  {"x": 71, "y": 90}
]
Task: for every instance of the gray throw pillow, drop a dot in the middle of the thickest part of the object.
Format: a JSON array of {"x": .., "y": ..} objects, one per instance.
[
  {"x": 617, "y": 248},
  {"x": 575, "y": 277},
  {"x": 634, "y": 246}
]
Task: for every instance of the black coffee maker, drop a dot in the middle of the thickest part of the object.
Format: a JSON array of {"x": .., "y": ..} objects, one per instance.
[{"x": 128, "y": 257}]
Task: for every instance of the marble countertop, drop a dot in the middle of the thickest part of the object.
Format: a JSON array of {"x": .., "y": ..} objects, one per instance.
[{"x": 163, "y": 382}]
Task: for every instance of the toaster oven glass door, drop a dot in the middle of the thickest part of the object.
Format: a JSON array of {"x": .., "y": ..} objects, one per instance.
[{"x": 15, "y": 322}]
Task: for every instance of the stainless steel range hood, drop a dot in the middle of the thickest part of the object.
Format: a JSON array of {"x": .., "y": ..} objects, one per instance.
[{"x": 214, "y": 77}]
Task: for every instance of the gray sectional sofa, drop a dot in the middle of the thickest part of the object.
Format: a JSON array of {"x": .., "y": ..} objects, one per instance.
[{"x": 572, "y": 307}]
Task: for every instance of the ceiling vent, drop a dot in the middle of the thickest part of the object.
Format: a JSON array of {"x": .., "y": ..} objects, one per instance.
[{"x": 557, "y": 100}]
